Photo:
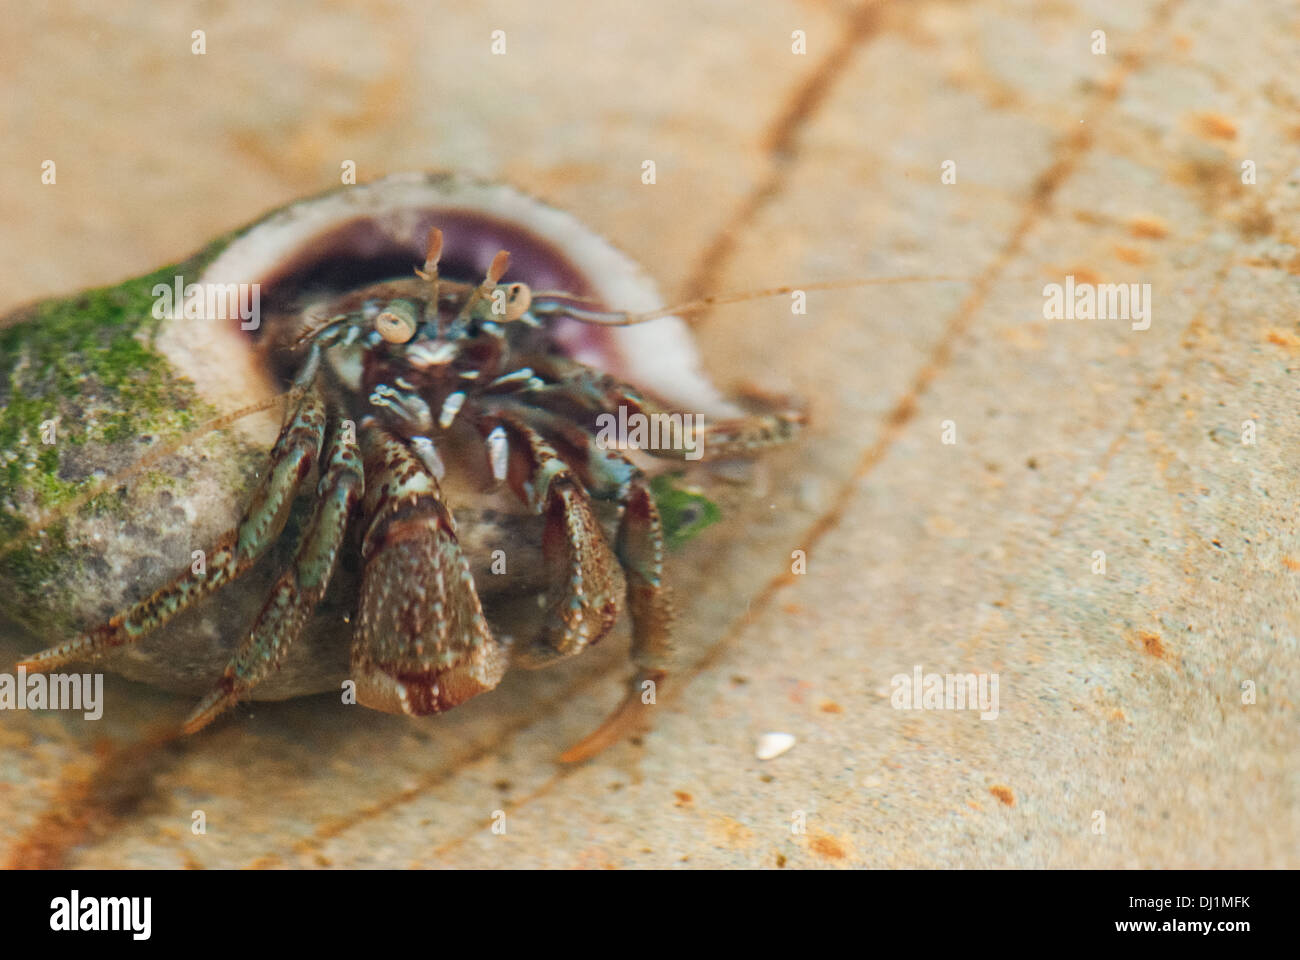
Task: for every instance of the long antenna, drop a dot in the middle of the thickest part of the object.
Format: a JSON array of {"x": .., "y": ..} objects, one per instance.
[{"x": 547, "y": 303}]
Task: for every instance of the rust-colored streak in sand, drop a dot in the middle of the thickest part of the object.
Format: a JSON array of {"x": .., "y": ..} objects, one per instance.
[
  {"x": 1069, "y": 153},
  {"x": 92, "y": 796},
  {"x": 782, "y": 146}
]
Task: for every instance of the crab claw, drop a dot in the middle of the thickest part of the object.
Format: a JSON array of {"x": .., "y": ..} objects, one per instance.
[{"x": 422, "y": 643}]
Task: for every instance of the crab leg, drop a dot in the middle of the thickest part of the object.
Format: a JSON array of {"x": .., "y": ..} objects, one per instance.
[
  {"x": 296, "y": 594},
  {"x": 601, "y": 393},
  {"x": 422, "y": 644},
  {"x": 580, "y": 568},
  {"x": 235, "y": 551},
  {"x": 639, "y": 546}
]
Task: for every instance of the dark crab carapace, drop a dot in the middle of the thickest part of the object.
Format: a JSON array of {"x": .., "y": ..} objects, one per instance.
[{"x": 399, "y": 385}]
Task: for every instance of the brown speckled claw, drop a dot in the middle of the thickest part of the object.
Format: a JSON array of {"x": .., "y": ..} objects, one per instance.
[{"x": 422, "y": 643}]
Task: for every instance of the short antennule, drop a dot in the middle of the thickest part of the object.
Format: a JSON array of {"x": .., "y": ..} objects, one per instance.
[
  {"x": 497, "y": 269},
  {"x": 432, "y": 255}
]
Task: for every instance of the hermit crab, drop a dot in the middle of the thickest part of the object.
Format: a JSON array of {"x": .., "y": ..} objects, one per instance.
[{"x": 450, "y": 354}]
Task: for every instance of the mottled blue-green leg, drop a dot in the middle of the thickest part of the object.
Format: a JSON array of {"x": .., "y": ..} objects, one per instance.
[
  {"x": 582, "y": 586},
  {"x": 422, "y": 644},
  {"x": 639, "y": 546},
  {"x": 291, "y": 460},
  {"x": 296, "y": 594},
  {"x": 679, "y": 435}
]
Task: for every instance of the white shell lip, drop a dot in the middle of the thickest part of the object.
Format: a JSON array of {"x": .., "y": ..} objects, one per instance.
[{"x": 658, "y": 356}]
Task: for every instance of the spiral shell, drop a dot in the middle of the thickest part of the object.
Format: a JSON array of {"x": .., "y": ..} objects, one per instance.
[{"x": 119, "y": 378}]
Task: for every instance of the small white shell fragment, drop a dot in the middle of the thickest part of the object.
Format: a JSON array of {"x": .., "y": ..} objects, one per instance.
[{"x": 772, "y": 745}]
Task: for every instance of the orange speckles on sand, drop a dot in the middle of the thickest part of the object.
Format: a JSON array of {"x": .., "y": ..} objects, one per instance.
[
  {"x": 793, "y": 609},
  {"x": 1283, "y": 338},
  {"x": 1130, "y": 255},
  {"x": 683, "y": 799},
  {"x": 1080, "y": 274},
  {"x": 1024, "y": 336},
  {"x": 1291, "y": 563},
  {"x": 1257, "y": 221},
  {"x": 1148, "y": 228},
  {"x": 1004, "y": 794},
  {"x": 830, "y": 706},
  {"x": 827, "y": 847},
  {"x": 941, "y": 526},
  {"x": 1118, "y": 716},
  {"x": 1215, "y": 126},
  {"x": 732, "y": 832},
  {"x": 593, "y": 858},
  {"x": 1151, "y": 644},
  {"x": 798, "y": 690}
]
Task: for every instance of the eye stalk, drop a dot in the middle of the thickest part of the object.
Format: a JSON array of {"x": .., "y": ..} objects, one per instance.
[
  {"x": 398, "y": 321},
  {"x": 492, "y": 302},
  {"x": 518, "y": 299}
]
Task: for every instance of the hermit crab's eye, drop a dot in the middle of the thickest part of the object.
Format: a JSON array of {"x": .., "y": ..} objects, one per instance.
[
  {"x": 398, "y": 321},
  {"x": 518, "y": 299}
]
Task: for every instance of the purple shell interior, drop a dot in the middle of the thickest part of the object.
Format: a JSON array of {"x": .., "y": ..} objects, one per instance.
[{"x": 369, "y": 249}]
